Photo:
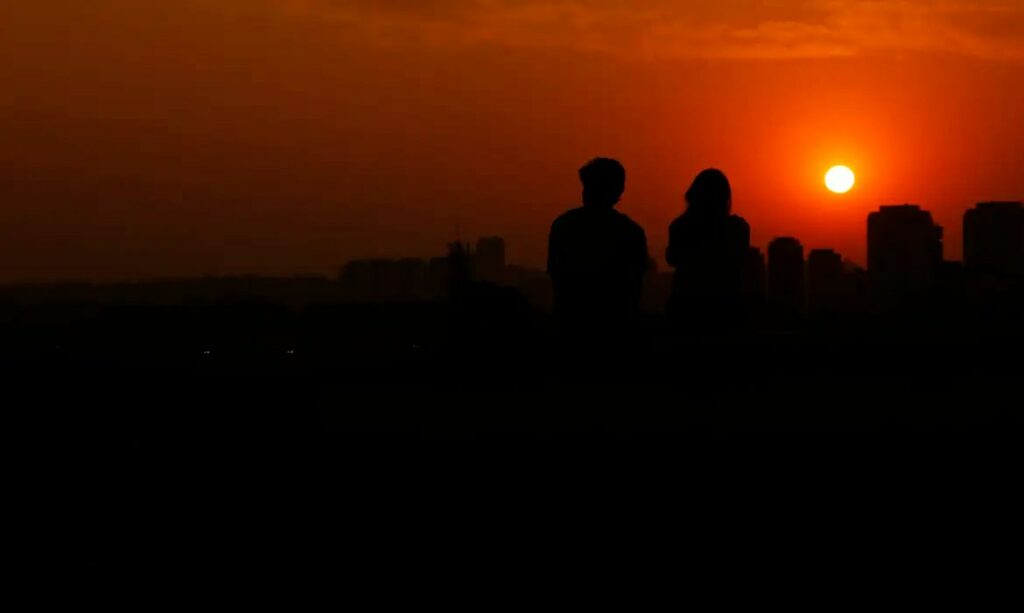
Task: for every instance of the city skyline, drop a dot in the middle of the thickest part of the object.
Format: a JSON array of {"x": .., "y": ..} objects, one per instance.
[
  {"x": 182, "y": 138},
  {"x": 535, "y": 263},
  {"x": 335, "y": 290},
  {"x": 1007, "y": 209},
  {"x": 906, "y": 261},
  {"x": 786, "y": 285}
]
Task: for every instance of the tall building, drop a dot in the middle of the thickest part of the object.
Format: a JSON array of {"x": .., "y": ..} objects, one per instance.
[
  {"x": 786, "y": 274},
  {"x": 490, "y": 259},
  {"x": 825, "y": 281},
  {"x": 754, "y": 276},
  {"x": 994, "y": 238},
  {"x": 460, "y": 264},
  {"x": 855, "y": 288},
  {"x": 904, "y": 252}
]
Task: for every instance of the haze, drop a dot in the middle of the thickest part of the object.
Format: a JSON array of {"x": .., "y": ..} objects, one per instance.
[{"x": 189, "y": 137}]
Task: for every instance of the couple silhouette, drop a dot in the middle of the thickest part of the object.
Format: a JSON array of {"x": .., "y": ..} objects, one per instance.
[{"x": 598, "y": 257}]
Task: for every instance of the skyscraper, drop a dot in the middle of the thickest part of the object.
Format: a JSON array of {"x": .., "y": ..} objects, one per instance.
[
  {"x": 824, "y": 281},
  {"x": 490, "y": 259},
  {"x": 904, "y": 252},
  {"x": 786, "y": 274},
  {"x": 754, "y": 277},
  {"x": 460, "y": 265},
  {"x": 994, "y": 238}
]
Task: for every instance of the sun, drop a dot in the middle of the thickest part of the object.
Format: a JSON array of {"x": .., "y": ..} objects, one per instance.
[{"x": 839, "y": 179}]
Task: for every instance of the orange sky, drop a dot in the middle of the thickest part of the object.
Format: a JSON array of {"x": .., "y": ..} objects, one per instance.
[{"x": 185, "y": 137}]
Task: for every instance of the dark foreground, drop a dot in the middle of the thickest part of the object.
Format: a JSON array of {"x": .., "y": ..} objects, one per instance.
[{"x": 305, "y": 460}]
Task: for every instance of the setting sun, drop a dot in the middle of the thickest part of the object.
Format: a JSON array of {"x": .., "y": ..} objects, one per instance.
[{"x": 839, "y": 179}]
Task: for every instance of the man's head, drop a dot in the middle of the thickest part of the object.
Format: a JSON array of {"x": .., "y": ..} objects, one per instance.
[{"x": 604, "y": 180}]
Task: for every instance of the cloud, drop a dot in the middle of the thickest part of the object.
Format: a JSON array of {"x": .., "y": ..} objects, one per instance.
[{"x": 750, "y": 29}]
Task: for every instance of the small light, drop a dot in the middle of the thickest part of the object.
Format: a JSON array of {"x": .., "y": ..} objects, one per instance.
[
  {"x": 207, "y": 352},
  {"x": 290, "y": 352}
]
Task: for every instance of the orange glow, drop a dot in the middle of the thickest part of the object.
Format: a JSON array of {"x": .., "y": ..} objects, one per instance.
[
  {"x": 280, "y": 137},
  {"x": 840, "y": 179}
]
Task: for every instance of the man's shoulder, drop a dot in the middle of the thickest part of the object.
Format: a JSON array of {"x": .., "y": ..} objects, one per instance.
[
  {"x": 568, "y": 218},
  {"x": 627, "y": 221},
  {"x": 580, "y": 219}
]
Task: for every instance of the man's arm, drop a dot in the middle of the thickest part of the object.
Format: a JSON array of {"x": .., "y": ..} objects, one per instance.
[
  {"x": 642, "y": 252},
  {"x": 641, "y": 265}
]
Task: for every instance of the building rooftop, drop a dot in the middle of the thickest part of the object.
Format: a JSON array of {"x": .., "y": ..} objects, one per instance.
[{"x": 998, "y": 206}]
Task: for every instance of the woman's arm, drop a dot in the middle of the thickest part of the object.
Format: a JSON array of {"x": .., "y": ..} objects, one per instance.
[{"x": 672, "y": 252}]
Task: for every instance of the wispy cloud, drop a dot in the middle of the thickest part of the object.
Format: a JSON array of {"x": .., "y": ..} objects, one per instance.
[{"x": 779, "y": 29}]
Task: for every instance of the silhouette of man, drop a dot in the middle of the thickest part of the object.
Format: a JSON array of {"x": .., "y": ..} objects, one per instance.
[
  {"x": 597, "y": 256},
  {"x": 708, "y": 246}
]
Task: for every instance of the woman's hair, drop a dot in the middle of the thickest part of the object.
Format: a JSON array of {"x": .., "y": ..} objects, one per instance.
[{"x": 710, "y": 194}]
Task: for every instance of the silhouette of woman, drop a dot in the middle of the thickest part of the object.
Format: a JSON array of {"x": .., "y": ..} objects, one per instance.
[{"x": 707, "y": 246}]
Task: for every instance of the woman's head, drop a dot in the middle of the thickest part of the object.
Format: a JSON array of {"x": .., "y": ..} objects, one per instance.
[{"x": 710, "y": 194}]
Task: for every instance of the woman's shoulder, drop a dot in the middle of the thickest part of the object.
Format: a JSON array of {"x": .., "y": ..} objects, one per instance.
[
  {"x": 681, "y": 223},
  {"x": 738, "y": 224}
]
